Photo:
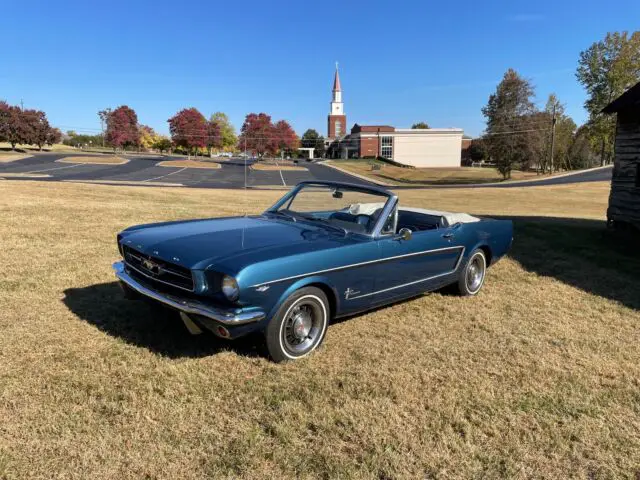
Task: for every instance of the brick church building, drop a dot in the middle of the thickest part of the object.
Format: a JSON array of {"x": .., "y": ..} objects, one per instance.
[{"x": 432, "y": 147}]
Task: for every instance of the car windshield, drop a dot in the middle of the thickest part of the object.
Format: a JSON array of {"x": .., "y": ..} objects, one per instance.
[{"x": 335, "y": 206}]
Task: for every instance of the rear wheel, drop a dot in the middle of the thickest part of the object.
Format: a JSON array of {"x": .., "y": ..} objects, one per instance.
[
  {"x": 472, "y": 275},
  {"x": 299, "y": 326}
]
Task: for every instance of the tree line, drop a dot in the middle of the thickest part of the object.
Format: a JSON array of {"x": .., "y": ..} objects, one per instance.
[
  {"x": 191, "y": 132},
  {"x": 26, "y": 127},
  {"x": 519, "y": 135}
]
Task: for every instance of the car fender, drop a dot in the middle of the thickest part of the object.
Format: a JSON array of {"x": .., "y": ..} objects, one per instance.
[{"x": 301, "y": 283}]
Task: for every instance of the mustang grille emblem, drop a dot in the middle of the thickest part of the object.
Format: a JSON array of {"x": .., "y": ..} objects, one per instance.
[{"x": 152, "y": 266}]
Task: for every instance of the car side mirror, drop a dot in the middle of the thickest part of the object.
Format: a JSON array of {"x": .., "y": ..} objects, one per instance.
[{"x": 404, "y": 234}]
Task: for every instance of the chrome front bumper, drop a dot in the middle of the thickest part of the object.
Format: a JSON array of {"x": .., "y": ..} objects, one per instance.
[{"x": 226, "y": 317}]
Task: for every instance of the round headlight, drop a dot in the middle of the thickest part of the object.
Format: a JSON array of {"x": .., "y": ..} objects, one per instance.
[{"x": 230, "y": 288}]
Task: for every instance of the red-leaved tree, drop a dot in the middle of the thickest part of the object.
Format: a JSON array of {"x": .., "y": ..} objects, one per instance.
[
  {"x": 38, "y": 127},
  {"x": 189, "y": 129},
  {"x": 54, "y": 135},
  {"x": 285, "y": 136},
  {"x": 5, "y": 114},
  {"x": 17, "y": 128},
  {"x": 257, "y": 134},
  {"x": 122, "y": 128},
  {"x": 214, "y": 136}
]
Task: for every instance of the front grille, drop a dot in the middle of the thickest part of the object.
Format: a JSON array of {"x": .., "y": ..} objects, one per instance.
[{"x": 158, "y": 270}]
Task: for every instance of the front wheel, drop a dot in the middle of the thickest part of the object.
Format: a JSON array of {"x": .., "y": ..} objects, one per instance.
[
  {"x": 472, "y": 275},
  {"x": 299, "y": 326}
]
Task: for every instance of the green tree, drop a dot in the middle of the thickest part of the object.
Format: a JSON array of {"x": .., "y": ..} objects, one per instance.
[
  {"x": 227, "y": 132},
  {"x": 78, "y": 140},
  {"x": 580, "y": 154},
  {"x": 312, "y": 139},
  {"x": 420, "y": 125},
  {"x": 564, "y": 132},
  {"x": 162, "y": 143},
  {"x": 509, "y": 114},
  {"x": 606, "y": 69},
  {"x": 477, "y": 150}
]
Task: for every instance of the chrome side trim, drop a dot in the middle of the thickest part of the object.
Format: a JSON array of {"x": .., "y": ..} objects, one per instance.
[
  {"x": 369, "y": 262},
  {"x": 187, "y": 305},
  {"x": 433, "y": 277}
]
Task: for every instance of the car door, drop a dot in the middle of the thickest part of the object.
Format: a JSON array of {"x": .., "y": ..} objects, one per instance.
[{"x": 419, "y": 264}]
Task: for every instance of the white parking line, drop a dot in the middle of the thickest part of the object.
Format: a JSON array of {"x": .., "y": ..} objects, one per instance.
[
  {"x": 56, "y": 168},
  {"x": 162, "y": 176},
  {"x": 280, "y": 171}
]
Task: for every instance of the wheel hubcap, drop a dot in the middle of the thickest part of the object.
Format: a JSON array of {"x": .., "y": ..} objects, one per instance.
[
  {"x": 302, "y": 325},
  {"x": 475, "y": 274}
]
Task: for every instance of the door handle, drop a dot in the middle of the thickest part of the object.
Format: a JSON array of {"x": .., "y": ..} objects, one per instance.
[{"x": 447, "y": 235}]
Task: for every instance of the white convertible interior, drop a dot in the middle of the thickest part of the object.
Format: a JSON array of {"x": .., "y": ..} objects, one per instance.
[{"x": 415, "y": 219}]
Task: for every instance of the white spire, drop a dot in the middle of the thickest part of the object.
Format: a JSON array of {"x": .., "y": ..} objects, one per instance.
[{"x": 337, "y": 108}]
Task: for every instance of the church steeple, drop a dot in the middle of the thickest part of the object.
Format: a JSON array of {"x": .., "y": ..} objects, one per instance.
[
  {"x": 337, "y": 108},
  {"x": 337, "y": 124},
  {"x": 336, "y": 81}
]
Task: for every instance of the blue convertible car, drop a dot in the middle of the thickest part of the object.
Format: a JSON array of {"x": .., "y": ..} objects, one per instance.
[{"x": 324, "y": 250}]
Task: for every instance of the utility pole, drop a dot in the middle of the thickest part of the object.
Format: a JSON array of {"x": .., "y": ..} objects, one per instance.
[{"x": 553, "y": 138}]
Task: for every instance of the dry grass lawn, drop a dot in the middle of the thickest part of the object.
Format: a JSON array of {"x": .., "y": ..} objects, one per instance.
[
  {"x": 96, "y": 159},
  {"x": 188, "y": 164},
  {"x": 427, "y": 176},
  {"x": 12, "y": 157},
  {"x": 285, "y": 167},
  {"x": 58, "y": 147},
  {"x": 538, "y": 376}
]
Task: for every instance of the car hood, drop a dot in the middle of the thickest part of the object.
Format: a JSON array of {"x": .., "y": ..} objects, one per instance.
[{"x": 198, "y": 244}]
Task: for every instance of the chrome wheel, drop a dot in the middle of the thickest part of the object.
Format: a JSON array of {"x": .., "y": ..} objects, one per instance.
[
  {"x": 475, "y": 272},
  {"x": 303, "y": 326}
]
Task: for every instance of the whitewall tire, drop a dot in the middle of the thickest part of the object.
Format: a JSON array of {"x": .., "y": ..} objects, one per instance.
[
  {"x": 472, "y": 276},
  {"x": 299, "y": 326}
]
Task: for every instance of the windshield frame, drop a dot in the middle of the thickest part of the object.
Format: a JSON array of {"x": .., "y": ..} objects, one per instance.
[{"x": 387, "y": 209}]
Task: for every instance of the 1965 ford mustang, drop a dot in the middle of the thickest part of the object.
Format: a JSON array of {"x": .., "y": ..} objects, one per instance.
[{"x": 324, "y": 250}]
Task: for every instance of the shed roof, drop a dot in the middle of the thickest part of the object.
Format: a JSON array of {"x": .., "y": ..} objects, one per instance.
[{"x": 629, "y": 99}]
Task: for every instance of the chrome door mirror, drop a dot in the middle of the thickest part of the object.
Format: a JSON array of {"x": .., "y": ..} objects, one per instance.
[{"x": 404, "y": 234}]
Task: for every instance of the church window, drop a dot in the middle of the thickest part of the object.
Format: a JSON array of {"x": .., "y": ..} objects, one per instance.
[{"x": 386, "y": 150}]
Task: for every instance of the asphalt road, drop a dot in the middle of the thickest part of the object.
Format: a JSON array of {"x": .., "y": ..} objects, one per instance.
[
  {"x": 145, "y": 170},
  {"x": 599, "y": 175}
]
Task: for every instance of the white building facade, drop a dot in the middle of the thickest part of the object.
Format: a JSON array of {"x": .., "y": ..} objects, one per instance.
[{"x": 431, "y": 147}]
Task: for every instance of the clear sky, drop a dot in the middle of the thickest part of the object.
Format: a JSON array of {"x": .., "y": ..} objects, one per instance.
[{"x": 400, "y": 62}]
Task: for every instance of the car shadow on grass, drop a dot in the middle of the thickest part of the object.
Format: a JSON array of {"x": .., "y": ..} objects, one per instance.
[
  {"x": 582, "y": 253},
  {"x": 147, "y": 325}
]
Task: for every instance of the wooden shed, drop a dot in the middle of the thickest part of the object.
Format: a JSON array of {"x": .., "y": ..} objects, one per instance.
[{"x": 624, "y": 200}]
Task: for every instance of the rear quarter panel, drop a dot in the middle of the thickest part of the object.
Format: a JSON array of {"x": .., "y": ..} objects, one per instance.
[{"x": 497, "y": 235}]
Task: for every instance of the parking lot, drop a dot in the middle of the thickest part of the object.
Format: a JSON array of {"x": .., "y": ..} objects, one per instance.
[{"x": 148, "y": 170}]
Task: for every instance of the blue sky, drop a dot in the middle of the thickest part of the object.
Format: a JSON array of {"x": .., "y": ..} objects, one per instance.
[{"x": 400, "y": 62}]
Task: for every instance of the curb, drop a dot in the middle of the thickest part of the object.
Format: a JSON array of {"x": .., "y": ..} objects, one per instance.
[
  {"x": 357, "y": 175},
  {"x": 463, "y": 185}
]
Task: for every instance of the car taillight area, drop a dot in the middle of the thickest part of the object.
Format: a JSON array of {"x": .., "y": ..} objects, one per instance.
[{"x": 158, "y": 270}]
